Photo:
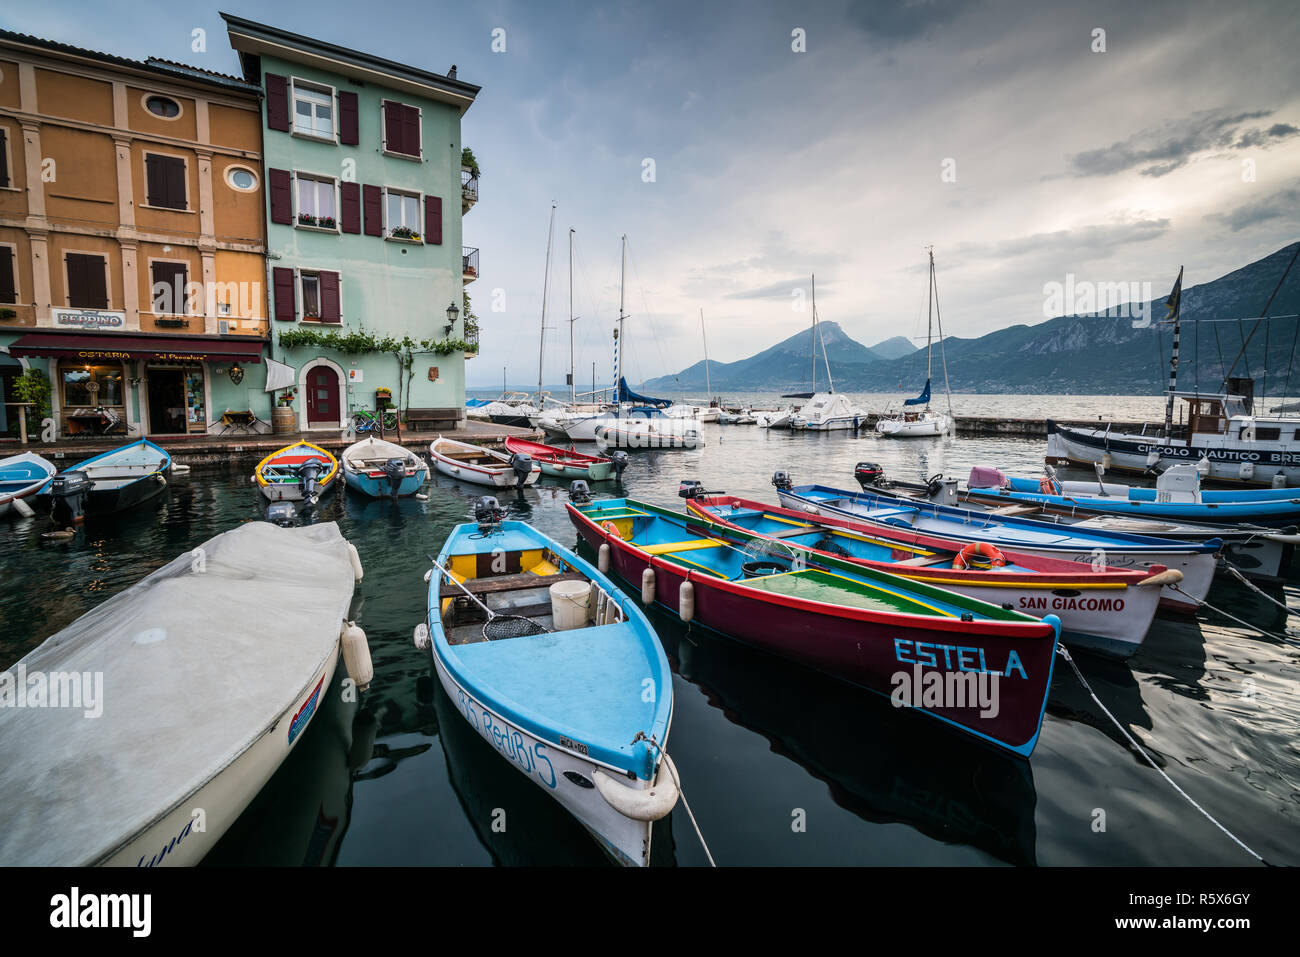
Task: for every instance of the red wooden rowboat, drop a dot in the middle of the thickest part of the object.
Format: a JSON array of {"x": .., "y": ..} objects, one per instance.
[{"x": 563, "y": 463}]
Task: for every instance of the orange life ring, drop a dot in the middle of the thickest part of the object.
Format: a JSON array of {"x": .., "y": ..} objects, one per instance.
[
  {"x": 979, "y": 556},
  {"x": 1047, "y": 487},
  {"x": 612, "y": 529}
]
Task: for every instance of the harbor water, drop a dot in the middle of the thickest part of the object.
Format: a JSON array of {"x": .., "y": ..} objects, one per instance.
[{"x": 781, "y": 765}]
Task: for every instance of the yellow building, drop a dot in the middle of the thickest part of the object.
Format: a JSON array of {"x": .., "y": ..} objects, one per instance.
[{"x": 132, "y": 238}]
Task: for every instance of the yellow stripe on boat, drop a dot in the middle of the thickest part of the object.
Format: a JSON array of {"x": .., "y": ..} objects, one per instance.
[
  {"x": 668, "y": 548},
  {"x": 834, "y": 530},
  {"x": 857, "y": 581}
]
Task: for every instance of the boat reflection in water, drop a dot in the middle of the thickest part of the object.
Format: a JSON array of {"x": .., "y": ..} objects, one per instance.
[
  {"x": 885, "y": 765},
  {"x": 519, "y": 824}
]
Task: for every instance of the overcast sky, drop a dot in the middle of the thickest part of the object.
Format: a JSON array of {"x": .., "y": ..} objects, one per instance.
[{"x": 771, "y": 164}]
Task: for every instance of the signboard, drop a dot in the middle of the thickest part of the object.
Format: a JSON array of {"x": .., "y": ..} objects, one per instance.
[
  {"x": 354, "y": 375},
  {"x": 89, "y": 318}
]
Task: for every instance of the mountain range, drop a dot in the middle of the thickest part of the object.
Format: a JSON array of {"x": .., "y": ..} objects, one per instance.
[{"x": 1083, "y": 353}]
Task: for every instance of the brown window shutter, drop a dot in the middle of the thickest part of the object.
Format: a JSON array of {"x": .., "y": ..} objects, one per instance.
[
  {"x": 281, "y": 198},
  {"x": 173, "y": 276},
  {"x": 277, "y": 102},
  {"x": 155, "y": 181},
  {"x": 175, "y": 183},
  {"x": 411, "y": 130},
  {"x": 8, "y": 290},
  {"x": 285, "y": 307},
  {"x": 350, "y": 207},
  {"x": 393, "y": 126},
  {"x": 433, "y": 220},
  {"x": 330, "y": 306},
  {"x": 76, "y": 271},
  {"x": 349, "y": 124},
  {"x": 373, "y": 201},
  {"x": 4, "y": 159},
  {"x": 96, "y": 282}
]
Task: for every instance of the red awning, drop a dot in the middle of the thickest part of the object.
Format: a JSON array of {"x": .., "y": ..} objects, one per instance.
[{"x": 179, "y": 349}]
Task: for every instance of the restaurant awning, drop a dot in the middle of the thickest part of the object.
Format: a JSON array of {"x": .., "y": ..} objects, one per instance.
[{"x": 162, "y": 348}]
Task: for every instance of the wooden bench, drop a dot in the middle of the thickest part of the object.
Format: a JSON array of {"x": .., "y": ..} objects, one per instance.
[
  {"x": 433, "y": 420},
  {"x": 501, "y": 583}
]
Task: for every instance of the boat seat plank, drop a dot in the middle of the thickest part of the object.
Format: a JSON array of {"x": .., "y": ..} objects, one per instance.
[
  {"x": 922, "y": 560},
  {"x": 800, "y": 530},
  {"x": 689, "y": 546},
  {"x": 1014, "y": 510},
  {"x": 500, "y": 583}
]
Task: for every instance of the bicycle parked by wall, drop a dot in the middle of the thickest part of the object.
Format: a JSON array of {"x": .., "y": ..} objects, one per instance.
[{"x": 365, "y": 421}]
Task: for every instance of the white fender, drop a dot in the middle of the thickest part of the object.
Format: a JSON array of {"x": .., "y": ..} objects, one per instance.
[
  {"x": 356, "y": 561},
  {"x": 178, "y": 469},
  {"x": 421, "y": 637},
  {"x": 602, "y": 558},
  {"x": 648, "y": 586},
  {"x": 686, "y": 601},
  {"x": 1170, "y": 576},
  {"x": 1282, "y": 537},
  {"x": 356, "y": 655},
  {"x": 648, "y": 804},
  {"x": 22, "y": 508}
]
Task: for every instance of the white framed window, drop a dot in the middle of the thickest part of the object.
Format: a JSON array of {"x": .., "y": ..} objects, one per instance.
[
  {"x": 313, "y": 110},
  {"x": 241, "y": 178},
  {"x": 402, "y": 215},
  {"x": 309, "y": 285},
  {"x": 315, "y": 201},
  {"x": 163, "y": 107}
]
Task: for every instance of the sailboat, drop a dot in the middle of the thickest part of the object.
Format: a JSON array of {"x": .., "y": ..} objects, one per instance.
[
  {"x": 825, "y": 411},
  {"x": 926, "y": 423}
]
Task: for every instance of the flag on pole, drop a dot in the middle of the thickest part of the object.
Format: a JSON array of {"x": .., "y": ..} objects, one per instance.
[{"x": 1175, "y": 297}]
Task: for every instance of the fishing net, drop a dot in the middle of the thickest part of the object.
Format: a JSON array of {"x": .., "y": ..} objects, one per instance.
[
  {"x": 511, "y": 626},
  {"x": 828, "y": 544}
]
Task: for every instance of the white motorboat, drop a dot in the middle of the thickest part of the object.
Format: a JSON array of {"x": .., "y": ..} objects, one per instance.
[
  {"x": 645, "y": 427},
  {"x": 140, "y": 733},
  {"x": 827, "y": 412},
  {"x": 482, "y": 466}
]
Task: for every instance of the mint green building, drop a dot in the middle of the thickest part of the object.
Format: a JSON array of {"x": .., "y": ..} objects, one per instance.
[{"x": 364, "y": 196}]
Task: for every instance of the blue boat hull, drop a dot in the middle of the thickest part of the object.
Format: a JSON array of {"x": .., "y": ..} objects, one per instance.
[{"x": 379, "y": 488}]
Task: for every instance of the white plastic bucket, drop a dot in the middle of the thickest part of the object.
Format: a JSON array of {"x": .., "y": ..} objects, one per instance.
[{"x": 569, "y": 604}]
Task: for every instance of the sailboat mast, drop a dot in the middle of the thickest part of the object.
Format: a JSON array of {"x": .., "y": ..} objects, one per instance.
[
  {"x": 708, "y": 387},
  {"x": 1174, "y": 303},
  {"x": 943, "y": 353},
  {"x": 812, "y": 338},
  {"x": 546, "y": 280},
  {"x": 573, "y": 387},
  {"x": 618, "y": 333},
  {"x": 829, "y": 380},
  {"x": 929, "y": 326}
]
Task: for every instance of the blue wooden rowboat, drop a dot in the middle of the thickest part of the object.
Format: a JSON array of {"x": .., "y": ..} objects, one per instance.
[
  {"x": 23, "y": 476},
  {"x": 578, "y": 701},
  {"x": 383, "y": 469},
  {"x": 1177, "y": 497},
  {"x": 1196, "y": 560},
  {"x": 111, "y": 482}
]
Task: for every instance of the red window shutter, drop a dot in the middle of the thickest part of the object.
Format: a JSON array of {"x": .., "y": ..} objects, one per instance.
[
  {"x": 281, "y": 196},
  {"x": 8, "y": 290},
  {"x": 373, "y": 201},
  {"x": 350, "y": 207},
  {"x": 330, "y": 307},
  {"x": 285, "y": 307},
  {"x": 277, "y": 102},
  {"x": 433, "y": 220},
  {"x": 349, "y": 126},
  {"x": 393, "y": 126},
  {"x": 411, "y": 130}
]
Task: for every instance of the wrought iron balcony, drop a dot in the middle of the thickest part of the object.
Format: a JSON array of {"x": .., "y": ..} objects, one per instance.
[
  {"x": 468, "y": 190},
  {"x": 471, "y": 337},
  {"x": 469, "y": 263}
]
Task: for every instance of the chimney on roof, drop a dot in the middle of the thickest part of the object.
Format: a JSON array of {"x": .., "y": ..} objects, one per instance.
[{"x": 451, "y": 74}]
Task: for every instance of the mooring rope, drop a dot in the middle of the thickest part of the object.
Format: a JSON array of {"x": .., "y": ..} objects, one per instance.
[
  {"x": 1255, "y": 588},
  {"x": 1147, "y": 757},
  {"x": 649, "y": 739},
  {"x": 1245, "y": 624}
]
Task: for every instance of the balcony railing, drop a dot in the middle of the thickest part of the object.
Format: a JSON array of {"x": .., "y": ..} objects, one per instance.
[
  {"x": 471, "y": 337},
  {"x": 468, "y": 190},
  {"x": 469, "y": 263}
]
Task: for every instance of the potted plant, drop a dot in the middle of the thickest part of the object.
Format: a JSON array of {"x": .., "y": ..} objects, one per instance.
[
  {"x": 285, "y": 399},
  {"x": 306, "y": 219},
  {"x": 384, "y": 397},
  {"x": 327, "y": 222}
]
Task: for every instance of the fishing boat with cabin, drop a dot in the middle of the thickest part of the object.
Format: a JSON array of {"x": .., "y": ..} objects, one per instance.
[
  {"x": 1103, "y": 609},
  {"x": 876, "y": 630},
  {"x": 550, "y": 663}
]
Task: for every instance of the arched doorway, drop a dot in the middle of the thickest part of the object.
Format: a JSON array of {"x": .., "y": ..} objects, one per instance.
[{"x": 324, "y": 395}]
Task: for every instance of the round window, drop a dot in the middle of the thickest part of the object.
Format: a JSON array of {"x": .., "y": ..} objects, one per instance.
[
  {"x": 163, "y": 106},
  {"x": 241, "y": 179}
]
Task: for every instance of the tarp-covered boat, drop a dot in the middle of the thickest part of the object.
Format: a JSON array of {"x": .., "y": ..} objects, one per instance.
[
  {"x": 139, "y": 733},
  {"x": 560, "y": 671},
  {"x": 383, "y": 469},
  {"x": 924, "y": 647},
  {"x": 1103, "y": 609}
]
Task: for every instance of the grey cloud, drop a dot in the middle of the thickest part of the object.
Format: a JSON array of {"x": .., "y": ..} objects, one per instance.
[
  {"x": 1163, "y": 149},
  {"x": 905, "y": 21},
  {"x": 776, "y": 290},
  {"x": 1282, "y": 203},
  {"x": 1276, "y": 132}
]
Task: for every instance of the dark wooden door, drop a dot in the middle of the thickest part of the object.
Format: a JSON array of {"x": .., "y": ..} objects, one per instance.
[{"x": 322, "y": 396}]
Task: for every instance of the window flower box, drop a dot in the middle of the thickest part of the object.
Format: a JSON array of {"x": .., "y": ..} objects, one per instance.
[{"x": 405, "y": 232}]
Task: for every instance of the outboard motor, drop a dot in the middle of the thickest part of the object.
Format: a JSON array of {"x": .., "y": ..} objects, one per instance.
[
  {"x": 941, "y": 491},
  {"x": 311, "y": 480},
  {"x": 395, "y": 471},
  {"x": 868, "y": 474},
  {"x": 781, "y": 479},
  {"x": 68, "y": 491},
  {"x": 522, "y": 464},
  {"x": 620, "y": 460},
  {"x": 579, "y": 493},
  {"x": 690, "y": 488},
  {"x": 488, "y": 514},
  {"x": 281, "y": 513}
]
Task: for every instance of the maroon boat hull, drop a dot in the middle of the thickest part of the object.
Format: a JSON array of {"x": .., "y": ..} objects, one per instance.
[{"x": 846, "y": 643}]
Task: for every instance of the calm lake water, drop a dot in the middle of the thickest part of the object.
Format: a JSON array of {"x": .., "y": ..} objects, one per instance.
[{"x": 400, "y": 778}]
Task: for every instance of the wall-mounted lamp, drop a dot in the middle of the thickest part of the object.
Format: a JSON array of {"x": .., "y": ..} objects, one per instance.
[
  {"x": 452, "y": 313},
  {"x": 236, "y": 373}
]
